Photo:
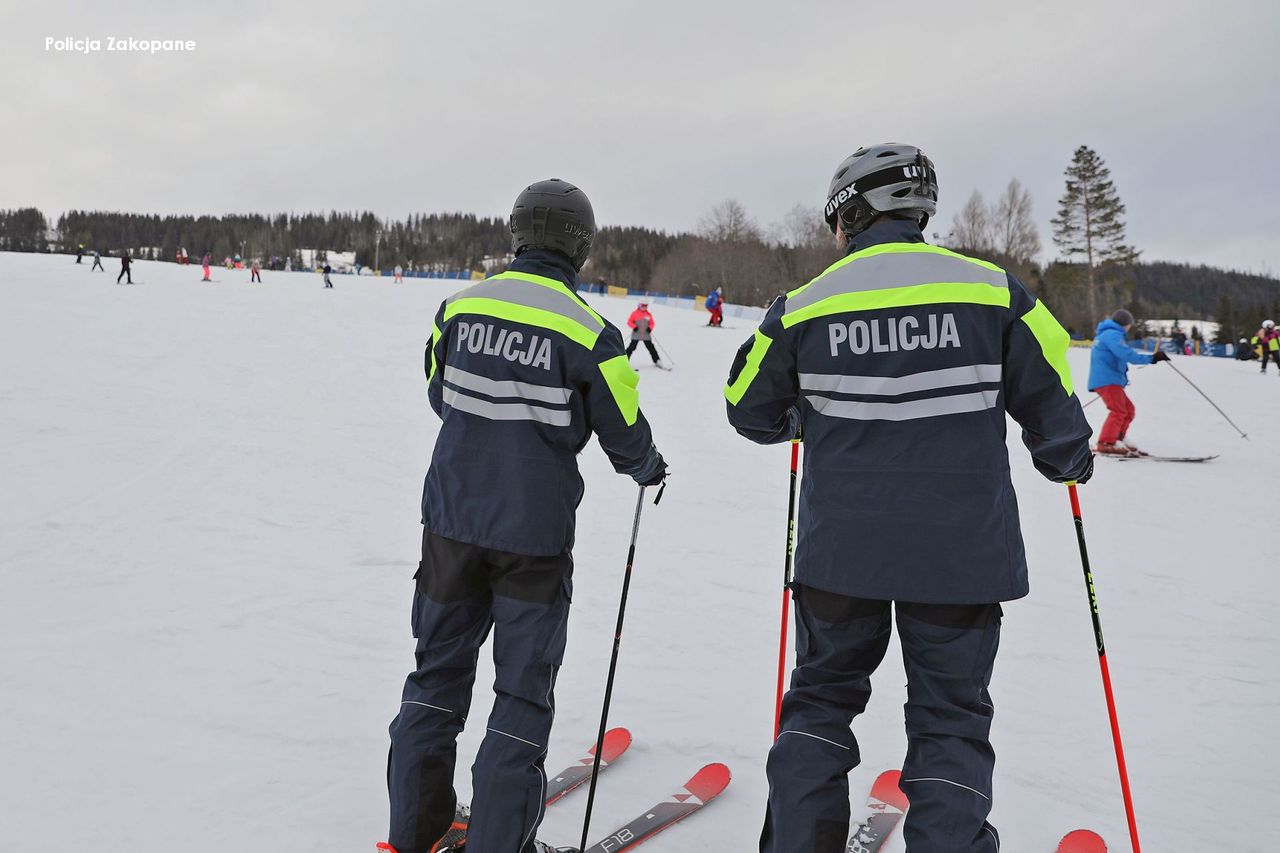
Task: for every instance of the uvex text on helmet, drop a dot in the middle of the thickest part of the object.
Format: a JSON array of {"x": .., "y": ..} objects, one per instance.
[
  {"x": 556, "y": 215},
  {"x": 881, "y": 179}
]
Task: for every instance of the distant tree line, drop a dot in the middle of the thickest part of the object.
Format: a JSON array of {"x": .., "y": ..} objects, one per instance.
[{"x": 1099, "y": 271}]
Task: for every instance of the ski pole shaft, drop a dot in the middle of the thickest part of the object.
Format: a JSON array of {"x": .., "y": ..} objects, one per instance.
[
  {"x": 1210, "y": 402},
  {"x": 665, "y": 354},
  {"x": 786, "y": 588},
  {"x": 613, "y": 669},
  {"x": 1106, "y": 672}
]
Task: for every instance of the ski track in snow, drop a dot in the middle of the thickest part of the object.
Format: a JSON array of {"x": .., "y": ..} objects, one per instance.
[{"x": 210, "y": 524}]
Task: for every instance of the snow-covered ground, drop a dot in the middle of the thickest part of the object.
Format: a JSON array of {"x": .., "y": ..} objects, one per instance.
[{"x": 209, "y": 523}]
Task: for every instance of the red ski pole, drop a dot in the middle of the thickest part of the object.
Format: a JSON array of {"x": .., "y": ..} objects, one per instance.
[
  {"x": 786, "y": 587},
  {"x": 1106, "y": 672}
]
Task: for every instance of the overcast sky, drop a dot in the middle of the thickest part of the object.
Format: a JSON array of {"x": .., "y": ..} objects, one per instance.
[{"x": 657, "y": 109}]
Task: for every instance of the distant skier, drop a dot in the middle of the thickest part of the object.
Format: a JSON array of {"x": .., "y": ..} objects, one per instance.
[
  {"x": 1269, "y": 339},
  {"x": 327, "y": 270},
  {"x": 1109, "y": 374},
  {"x": 642, "y": 326},
  {"x": 1244, "y": 352},
  {"x": 254, "y": 273},
  {"x": 498, "y": 512},
  {"x": 206, "y": 264},
  {"x": 399, "y": 271},
  {"x": 900, "y": 366},
  {"x": 80, "y": 254},
  {"x": 715, "y": 304},
  {"x": 125, "y": 264},
  {"x": 97, "y": 262}
]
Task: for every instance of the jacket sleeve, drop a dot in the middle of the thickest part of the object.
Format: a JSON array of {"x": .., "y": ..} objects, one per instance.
[
  {"x": 1121, "y": 350},
  {"x": 763, "y": 388},
  {"x": 613, "y": 410},
  {"x": 1039, "y": 392},
  {"x": 433, "y": 363}
]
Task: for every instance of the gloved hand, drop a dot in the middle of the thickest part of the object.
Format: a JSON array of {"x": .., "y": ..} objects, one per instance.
[
  {"x": 1160, "y": 355},
  {"x": 657, "y": 479},
  {"x": 656, "y": 474}
]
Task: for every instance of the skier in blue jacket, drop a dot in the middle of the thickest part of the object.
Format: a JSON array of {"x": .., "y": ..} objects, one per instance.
[
  {"x": 902, "y": 363},
  {"x": 1109, "y": 374}
]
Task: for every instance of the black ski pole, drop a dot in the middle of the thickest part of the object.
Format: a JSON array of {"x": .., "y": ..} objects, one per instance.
[
  {"x": 671, "y": 361},
  {"x": 613, "y": 667},
  {"x": 1211, "y": 403}
]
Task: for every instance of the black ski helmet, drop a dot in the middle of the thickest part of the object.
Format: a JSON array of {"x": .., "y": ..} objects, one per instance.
[
  {"x": 553, "y": 214},
  {"x": 881, "y": 179}
]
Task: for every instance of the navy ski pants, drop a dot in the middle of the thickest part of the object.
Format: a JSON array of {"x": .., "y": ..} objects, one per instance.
[
  {"x": 464, "y": 591},
  {"x": 949, "y": 651}
]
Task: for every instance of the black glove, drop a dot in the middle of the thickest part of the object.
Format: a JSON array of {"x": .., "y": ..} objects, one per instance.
[
  {"x": 657, "y": 479},
  {"x": 1088, "y": 472},
  {"x": 1160, "y": 355},
  {"x": 656, "y": 475}
]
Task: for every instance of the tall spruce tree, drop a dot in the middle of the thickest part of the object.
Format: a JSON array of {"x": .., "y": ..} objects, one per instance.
[{"x": 1090, "y": 223}]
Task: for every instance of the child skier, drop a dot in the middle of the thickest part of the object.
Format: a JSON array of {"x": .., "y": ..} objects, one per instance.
[
  {"x": 1269, "y": 339},
  {"x": 715, "y": 304},
  {"x": 642, "y": 325}
]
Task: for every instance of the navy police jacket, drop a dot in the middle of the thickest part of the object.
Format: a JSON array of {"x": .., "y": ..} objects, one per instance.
[
  {"x": 898, "y": 363},
  {"x": 522, "y": 372}
]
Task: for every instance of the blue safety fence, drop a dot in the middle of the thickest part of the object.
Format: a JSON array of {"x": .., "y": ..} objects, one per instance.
[{"x": 464, "y": 275}]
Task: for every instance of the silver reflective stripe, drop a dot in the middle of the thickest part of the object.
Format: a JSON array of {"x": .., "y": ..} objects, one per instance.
[
  {"x": 895, "y": 269},
  {"x": 505, "y": 388},
  {"x": 505, "y": 411},
  {"x": 948, "y": 377},
  {"x": 531, "y": 295},
  {"x": 909, "y": 410}
]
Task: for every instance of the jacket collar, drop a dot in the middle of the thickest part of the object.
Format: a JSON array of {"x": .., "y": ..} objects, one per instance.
[
  {"x": 547, "y": 264},
  {"x": 889, "y": 231},
  {"x": 1110, "y": 324}
]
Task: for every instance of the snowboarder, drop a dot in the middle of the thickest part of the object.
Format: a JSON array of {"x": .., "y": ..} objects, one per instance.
[
  {"x": 254, "y": 273},
  {"x": 205, "y": 264},
  {"x": 900, "y": 386},
  {"x": 399, "y": 279},
  {"x": 326, "y": 269},
  {"x": 1109, "y": 374},
  {"x": 125, "y": 264},
  {"x": 1244, "y": 352},
  {"x": 642, "y": 326},
  {"x": 715, "y": 304},
  {"x": 97, "y": 262},
  {"x": 498, "y": 512},
  {"x": 1269, "y": 339}
]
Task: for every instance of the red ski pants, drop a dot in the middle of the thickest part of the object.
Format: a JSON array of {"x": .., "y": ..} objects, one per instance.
[{"x": 1122, "y": 412}]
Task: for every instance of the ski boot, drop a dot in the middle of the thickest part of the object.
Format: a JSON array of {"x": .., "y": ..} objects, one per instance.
[{"x": 1116, "y": 449}]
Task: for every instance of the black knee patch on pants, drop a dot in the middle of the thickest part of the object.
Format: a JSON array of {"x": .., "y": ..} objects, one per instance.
[
  {"x": 834, "y": 608},
  {"x": 965, "y": 616},
  {"x": 452, "y": 571}
]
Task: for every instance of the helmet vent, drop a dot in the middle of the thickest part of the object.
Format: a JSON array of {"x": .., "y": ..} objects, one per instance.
[{"x": 886, "y": 154}]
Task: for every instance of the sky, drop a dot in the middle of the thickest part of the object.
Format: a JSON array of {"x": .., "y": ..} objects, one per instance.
[{"x": 659, "y": 110}]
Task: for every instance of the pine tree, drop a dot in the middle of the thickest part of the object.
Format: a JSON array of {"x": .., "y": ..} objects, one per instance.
[{"x": 1090, "y": 222}]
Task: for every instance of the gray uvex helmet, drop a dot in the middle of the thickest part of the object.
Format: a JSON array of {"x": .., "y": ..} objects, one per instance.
[
  {"x": 553, "y": 214},
  {"x": 881, "y": 179}
]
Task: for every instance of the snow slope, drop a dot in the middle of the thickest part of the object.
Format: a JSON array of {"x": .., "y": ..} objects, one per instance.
[{"x": 209, "y": 523}]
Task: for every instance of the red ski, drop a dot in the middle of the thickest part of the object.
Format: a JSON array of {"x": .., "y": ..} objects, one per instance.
[
  {"x": 616, "y": 742},
  {"x": 707, "y": 784},
  {"x": 1082, "y": 841},
  {"x": 887, "y": 804}
]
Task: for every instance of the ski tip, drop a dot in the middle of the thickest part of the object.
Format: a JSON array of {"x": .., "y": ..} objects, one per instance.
[
  {"x": 887, "y": 790},
  {"x": 709, "y": 782},
  {"x": 616, "y": 742},
  {"x": 1082, "y": 841}
]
